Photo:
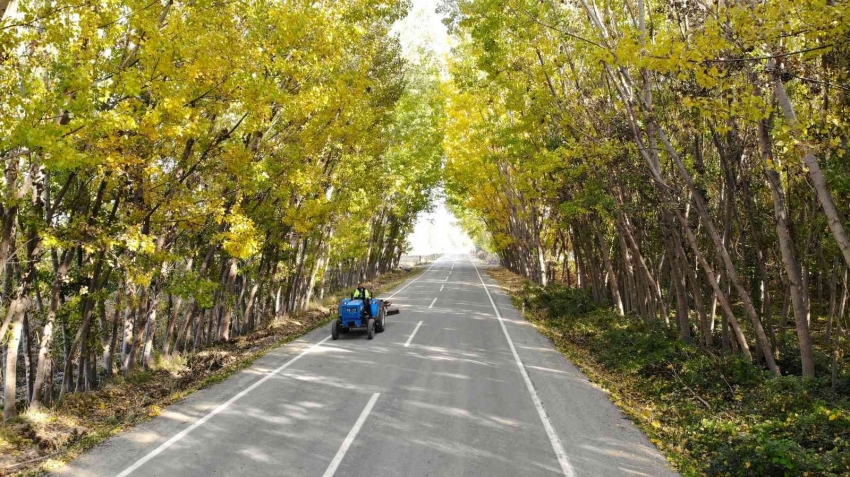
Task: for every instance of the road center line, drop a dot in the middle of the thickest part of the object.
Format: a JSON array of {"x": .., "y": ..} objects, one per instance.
[
  {"x": 411, "y": 282},
  {"x": 410, "y": 338},
  {"x": 349, "y": 439},
  {"x": 566, "y": 467},
  {"x": 200, "y": 422},
  {"x": 432, "y": 302}
]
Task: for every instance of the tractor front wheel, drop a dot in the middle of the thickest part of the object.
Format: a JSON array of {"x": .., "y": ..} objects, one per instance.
[
  {"x": 370, "y": 329},
  {"x": 335, "y": 330}
]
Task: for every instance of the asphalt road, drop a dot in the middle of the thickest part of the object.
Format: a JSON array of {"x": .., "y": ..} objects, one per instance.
[{"x": 458, "y": 384}]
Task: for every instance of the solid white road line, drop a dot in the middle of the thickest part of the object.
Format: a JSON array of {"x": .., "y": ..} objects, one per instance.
[
  {"x": 200, "y": 422},
  {"x": 410, "y": 338},
  {"x": 432, "y": 302},
  {"x": 566, "y": 467},
  {"x": 453, "y": 266},
  {"x": 349, "y": 439},
  {"x": 412, "y": 281},
  {"x": 441, "y": 287}
]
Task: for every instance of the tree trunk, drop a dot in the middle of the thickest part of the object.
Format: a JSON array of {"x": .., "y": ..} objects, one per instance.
[
  {"x": 786, "y": 246},
  {"x": 836, "y": 306},
  {"x": 129, "y": 327},
  {"x": 196, "y": 342},
  {"x": 138, "y": 329},
  {"x": 651, "y": 283},
  {"x": 109, "y": 353},
  {"x": 7, "y": 231},
  {"x": 761, "y": 263},
  {"x": 172, "y": 323},
  {"x": 723, "y": 253},
  {"x": 813, "y": 167},
  {"x": 628, "y": 271},
  {"x": 150, "y": 332},
  {"x": 678, "y": 278},
  {"x": 615, "y": 288},
  {"x": 183, "y": 333},
  {"x": 249, "y": 309},
  {"x": 228, "y": 304},
  {"x": 692, "y": 281},
  {"x": 28, "y": 361},
  {"x": 81, "y": 338},
  {"x": 16, "y": 314},
  {"x": 721, "y": 297},
  {"x": 836, "y": 350}
]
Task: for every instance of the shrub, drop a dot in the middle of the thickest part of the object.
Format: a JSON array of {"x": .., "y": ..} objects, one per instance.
[
  {"x": 559, "y": 301},
  {"x": 713, "y": 414}
]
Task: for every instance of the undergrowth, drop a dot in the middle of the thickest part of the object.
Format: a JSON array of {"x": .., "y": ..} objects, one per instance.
[{"x": 711, "y": 414}]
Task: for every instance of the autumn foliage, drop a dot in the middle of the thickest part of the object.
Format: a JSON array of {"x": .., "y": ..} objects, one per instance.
[
  {"x": 182, "y": 173},
  {"x": 687, "y": 162}
]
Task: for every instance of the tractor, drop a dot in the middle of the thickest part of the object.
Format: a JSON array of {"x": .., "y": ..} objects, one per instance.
[{"x": 354, "y": 315}]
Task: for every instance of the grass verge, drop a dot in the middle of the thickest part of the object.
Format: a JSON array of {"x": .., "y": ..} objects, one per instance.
[
  {"x": 714, "y": 415},
  {"x": 40, "y": 441}
]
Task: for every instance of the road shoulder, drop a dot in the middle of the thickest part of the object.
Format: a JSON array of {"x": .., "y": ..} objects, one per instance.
[{"x": 597, "y": 436}]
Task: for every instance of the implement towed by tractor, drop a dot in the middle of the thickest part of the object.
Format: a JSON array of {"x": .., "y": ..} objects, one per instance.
[{"x": 354, "y": 315}]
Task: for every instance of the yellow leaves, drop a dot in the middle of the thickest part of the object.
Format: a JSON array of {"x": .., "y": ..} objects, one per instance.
[
  {"x": 49, "y": 240},
  {"x": 628, "y": 50},
  {"x": 139, "y": 277},
  {"x": 136, "y": 241},
  {"x": 241, "y": 239},
  {"x": 707, "y": 78},
  {"x": 117, "y": 120}
]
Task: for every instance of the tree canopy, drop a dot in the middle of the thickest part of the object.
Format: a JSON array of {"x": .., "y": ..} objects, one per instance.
[
  {"x": 178, "y": 173},
  {"x": 651, "y": 152}
]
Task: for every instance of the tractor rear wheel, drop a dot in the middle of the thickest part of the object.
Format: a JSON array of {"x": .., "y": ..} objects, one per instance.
[
  {"x": 382, "y": 316},
  {"x": 370, "y": 329},
  {"x": 335, "y": 330}
]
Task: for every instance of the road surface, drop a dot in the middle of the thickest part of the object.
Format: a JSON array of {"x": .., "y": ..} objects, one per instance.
[{"x": 459, "y": 384}]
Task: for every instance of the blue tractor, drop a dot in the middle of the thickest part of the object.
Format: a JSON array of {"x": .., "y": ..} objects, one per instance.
[{"x": 354, "y": 315}]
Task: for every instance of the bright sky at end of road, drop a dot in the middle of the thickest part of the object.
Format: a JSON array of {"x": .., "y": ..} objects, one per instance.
[
  {"x": 438, "y": 232},
  {"x": 423, "y": 29}
]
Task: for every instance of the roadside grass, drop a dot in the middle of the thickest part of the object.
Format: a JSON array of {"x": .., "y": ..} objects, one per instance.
[
  {"x": 39, "y": 441},
  {"x": 712, "y": 415}
]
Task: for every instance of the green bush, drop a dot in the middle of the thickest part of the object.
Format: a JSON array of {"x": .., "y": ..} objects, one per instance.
[
  {"x": 559, "y": 301},
  {"x": 759, "y": 455},
  {"x": 714, "y": 414}
]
